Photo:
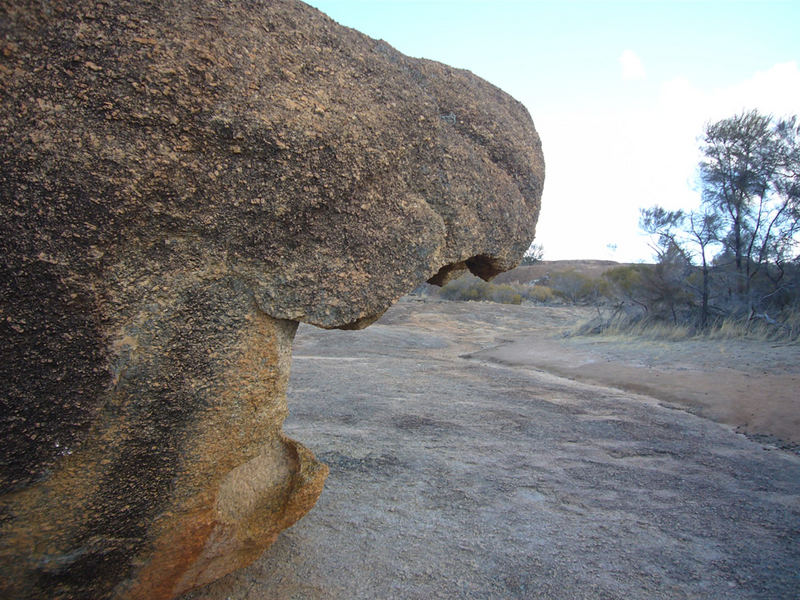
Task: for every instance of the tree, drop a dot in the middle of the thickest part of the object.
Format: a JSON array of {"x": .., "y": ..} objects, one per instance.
[
  {"x": 750, "y": 175},
  {"x": 704, "y": 229},
  {"x": 681, "y": 239},
  {"x": 533, "y": 254},
  {"x": 664, "y": 225},
  {"x": 626, "y": 281},
  {"x": 664, "y": 284},
  {"x": 747, "y": 230}
]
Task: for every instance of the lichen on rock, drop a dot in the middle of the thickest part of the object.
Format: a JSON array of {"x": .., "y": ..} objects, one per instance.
[{"x": 182, "y": 183}]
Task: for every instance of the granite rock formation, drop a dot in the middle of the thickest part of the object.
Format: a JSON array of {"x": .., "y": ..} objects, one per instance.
[{"x": 182, "y": 182}]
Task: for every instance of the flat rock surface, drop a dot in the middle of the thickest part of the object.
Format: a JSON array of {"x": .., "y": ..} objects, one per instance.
[{"x": 457, "y": 474}]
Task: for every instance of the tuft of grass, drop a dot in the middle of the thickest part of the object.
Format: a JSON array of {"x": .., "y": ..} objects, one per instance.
[{"x": 755, "y": 329}]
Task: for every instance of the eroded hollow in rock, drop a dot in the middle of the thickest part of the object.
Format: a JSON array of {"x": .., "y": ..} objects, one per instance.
[
  {"x": 448, "y": 273},
  {"x": 482, "y": 265}
]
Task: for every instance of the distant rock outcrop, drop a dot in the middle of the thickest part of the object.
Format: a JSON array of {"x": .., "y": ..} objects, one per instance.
[{"x": 182, "y": 182}]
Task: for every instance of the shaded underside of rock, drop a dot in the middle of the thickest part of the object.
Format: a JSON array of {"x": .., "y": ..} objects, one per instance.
[{"x": 182, "y": 182}]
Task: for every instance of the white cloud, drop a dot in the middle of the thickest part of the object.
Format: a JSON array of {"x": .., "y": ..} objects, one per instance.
[
  {"x": 632, "y": 67},
  {"x": 774, "y": 91},
  {"x": 603, "y": 164}
]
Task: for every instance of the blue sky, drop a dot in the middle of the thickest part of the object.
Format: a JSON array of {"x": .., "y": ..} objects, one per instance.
[{"x": 619, "y": 91}]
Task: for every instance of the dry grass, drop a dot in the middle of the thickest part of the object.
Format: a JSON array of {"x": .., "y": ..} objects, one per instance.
[
  {"x": 617, "y": 327},
  {"x": 786, "y": 329}
]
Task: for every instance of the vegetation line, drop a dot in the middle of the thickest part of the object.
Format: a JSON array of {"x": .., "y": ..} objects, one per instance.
[{"x": 729, "y": 268}]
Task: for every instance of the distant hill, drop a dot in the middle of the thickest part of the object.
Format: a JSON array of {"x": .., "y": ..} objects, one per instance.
[{"x": 528, "y": 273}]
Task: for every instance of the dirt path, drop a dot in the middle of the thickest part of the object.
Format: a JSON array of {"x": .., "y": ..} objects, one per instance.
[{"x": 460, "y": 473}]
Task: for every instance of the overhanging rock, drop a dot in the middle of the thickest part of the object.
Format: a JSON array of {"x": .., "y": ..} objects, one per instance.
[{"x": 182, "y": 182}]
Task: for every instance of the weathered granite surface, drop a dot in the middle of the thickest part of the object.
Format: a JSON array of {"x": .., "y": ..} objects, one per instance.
[{"x": 182, "y": 182}]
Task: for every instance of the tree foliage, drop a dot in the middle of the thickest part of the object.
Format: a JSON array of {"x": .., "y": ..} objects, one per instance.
[
  {"x": 743, "y": 239},
  {"x": 533, "y": 254},
  {"x": 750, "y": 174}
]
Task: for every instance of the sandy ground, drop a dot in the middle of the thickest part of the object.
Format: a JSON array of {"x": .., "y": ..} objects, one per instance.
[
  {"x": 476, "y": 453},
  {"x": 751, "y": 385}
]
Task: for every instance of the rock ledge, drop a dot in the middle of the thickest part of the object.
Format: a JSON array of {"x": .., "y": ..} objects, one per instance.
[{"x": 182, "y": 183}]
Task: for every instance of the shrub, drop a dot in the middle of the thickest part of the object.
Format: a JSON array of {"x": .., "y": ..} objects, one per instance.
[
  {"x": 577, "y": 287},
  {"x": 469, "y": 287},
  {"x": 626, "y": 279},
  {"x": 504, "y": 294},
  {"x": 540, "y": 293}
]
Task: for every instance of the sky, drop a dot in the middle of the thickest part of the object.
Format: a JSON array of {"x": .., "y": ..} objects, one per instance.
[{"x": 620, "y": 92}]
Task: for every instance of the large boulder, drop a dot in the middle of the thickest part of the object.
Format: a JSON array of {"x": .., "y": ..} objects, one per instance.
[{"x": 182, "y": 182}]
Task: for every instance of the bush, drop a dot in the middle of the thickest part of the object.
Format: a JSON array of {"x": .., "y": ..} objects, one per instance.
[
  {"x": 626, "y": 279},
  {"x": 577, "y": 287},
  {"x": 570, "y": 286},
  {"x": 465, "y": 288},
  {"x": 504, "y": 294},
  {"x": 661, "y": 291},
  {"x": 540, "y": 293},
  {"x": 469, "y": 287}
]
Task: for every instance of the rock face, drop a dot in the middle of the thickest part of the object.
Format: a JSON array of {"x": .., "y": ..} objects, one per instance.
[{"x": 182, "y": 182}]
